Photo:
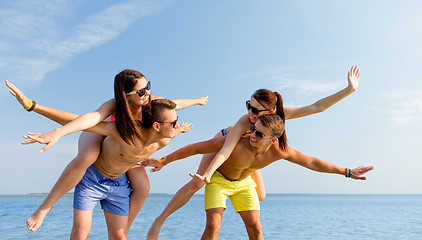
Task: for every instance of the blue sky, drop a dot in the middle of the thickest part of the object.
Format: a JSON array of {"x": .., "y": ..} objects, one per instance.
[{"x": 64, "y": 54}]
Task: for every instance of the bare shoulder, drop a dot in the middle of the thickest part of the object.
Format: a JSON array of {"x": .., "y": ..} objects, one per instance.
[
  {"x": 108, "y": 107},
  {"x": 163, "y": 142},
  {"x": 244, "y": 120},
  {"x": 109, "y": 103},
  {"x": 278, "y": 154},
  {"x": 242, "y": 124}
]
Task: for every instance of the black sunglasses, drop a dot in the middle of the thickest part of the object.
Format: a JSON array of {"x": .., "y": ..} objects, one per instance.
[
  {"x": 174, "y": 123},
  {"x": 254, "y": 110},
  {"x": 259, "y": 135},
  {"x": 142, "y": 91}
]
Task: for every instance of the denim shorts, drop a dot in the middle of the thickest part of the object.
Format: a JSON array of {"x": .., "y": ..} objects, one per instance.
[{"x": 113, "y": 194}]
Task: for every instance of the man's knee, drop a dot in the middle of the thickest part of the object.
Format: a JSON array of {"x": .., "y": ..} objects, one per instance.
[
  {"x": 79, "y": 233},
  {"x": 121, "y": 235},
  {"x": 255, "y": 228},
  {"x": 213, "y": 226}
]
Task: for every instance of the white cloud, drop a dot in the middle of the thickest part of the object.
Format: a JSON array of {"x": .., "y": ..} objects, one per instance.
[
  {"x": 36, "y": 40},
  {"x": 406, "y": 106},
  {"x": 304, "y": 86}
]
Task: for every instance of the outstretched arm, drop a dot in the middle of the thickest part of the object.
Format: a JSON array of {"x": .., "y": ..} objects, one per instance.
[
  {"x": 72, "y": 122},
  {"x": 83, "y": 122},
  {"x": 212, "y": 145},
  {"x": 59, "y": 116},
  {"x": 232, "y": 139},
  {"x": 319, "y": 165},
  {"x": 102, "y": 128},
  {"x": 319, "y": 106},
  {"x": 185, "y": 103},
  {"x": 79, "y": 123}
]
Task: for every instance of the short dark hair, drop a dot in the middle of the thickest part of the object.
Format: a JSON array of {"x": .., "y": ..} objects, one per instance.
[{"x": 155, "y": 112}]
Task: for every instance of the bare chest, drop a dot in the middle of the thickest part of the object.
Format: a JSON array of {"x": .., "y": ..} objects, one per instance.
[
  {"x": 127, "y": 153},
  {"x": 247, "y": 160}
]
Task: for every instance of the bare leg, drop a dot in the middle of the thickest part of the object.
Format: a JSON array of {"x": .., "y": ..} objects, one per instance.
[
  {"x": 81, "y": 224},
  {"x": 213, "y": 226},
  {"x": 260, "y": 187},
  {"x": 116, "y": 226},
  {"x": 185, "y": 194},
  {"x": 139, "y": 182},
  {"x": 89, "y": 147},
  {"x": 180, "y": 198},
  {"x": 253, "y": 224}
]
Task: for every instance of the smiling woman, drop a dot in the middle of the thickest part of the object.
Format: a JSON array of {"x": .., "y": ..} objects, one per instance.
[
  {"x": 263, "y": 101},
  {"x": 128, "y": 110}
]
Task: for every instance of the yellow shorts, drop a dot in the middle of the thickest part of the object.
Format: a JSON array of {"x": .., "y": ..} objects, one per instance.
[{"x": 242, "y": 193}]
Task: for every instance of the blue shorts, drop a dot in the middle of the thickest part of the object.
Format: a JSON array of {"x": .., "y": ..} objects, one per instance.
[{"x": 113, "y": 194}]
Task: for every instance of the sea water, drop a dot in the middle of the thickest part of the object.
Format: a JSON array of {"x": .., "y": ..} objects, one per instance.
[{"x": 283, "y": 216}]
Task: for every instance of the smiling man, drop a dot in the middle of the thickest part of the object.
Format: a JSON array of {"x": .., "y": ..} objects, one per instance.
[
  {"x": 233, "y": 178},
  {"x": 106, "y": 180}
]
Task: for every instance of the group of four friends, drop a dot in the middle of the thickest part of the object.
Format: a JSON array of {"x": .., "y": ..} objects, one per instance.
[{"x": 121, "y": 135}]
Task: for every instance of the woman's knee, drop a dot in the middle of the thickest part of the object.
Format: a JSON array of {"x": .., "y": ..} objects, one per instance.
[
  {"x": 82, "y": 162},
  {"x": 140, "y": 191},
  {"x": 196, "y": 184},
  {"x": 90, "y": 143},
  {"x": 139, "y": 181}
]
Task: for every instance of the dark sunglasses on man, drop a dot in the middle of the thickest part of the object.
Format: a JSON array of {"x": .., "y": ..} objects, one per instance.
[
  {"x": 173, "y": 123},
  {"x": 142, "y": 91},
  {"x": 254, "y": 110},
  {"x": 259, "y": 135}
]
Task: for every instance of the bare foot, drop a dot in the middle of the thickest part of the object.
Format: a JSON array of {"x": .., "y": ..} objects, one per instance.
[
  {"x": 154, "y": 230},
  {"x": 36, "y": 219}
]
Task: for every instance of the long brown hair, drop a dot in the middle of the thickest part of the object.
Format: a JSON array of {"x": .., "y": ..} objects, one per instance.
[
  {"x": 127, "y": 127},
  {"x": 273, "y": 101}
]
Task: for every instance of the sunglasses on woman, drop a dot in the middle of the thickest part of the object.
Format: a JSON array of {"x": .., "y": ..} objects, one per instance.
[
  {"x": 259, "y": 135},
  {"x": 142, "y": 91},
  {"x": 174, "y": 123},
  {"x": 254, "y": 110}
]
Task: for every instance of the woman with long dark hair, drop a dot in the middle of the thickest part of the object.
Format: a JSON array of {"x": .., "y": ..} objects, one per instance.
[{"x": 132, "y": 94}]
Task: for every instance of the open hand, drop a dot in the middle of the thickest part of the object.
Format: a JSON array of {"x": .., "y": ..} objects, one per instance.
[
  {"x": 353, "y": 77},
  {"x": 200, "y": 177},
  {"x": 359, "y": 171},
  {"x": 156, "y": 163},
  {"x": 49, "y": 139},
  {"x": 22, "y": 99},
  {"x": 185, "y": 127},
  {"x": 202, "y": 100}
]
